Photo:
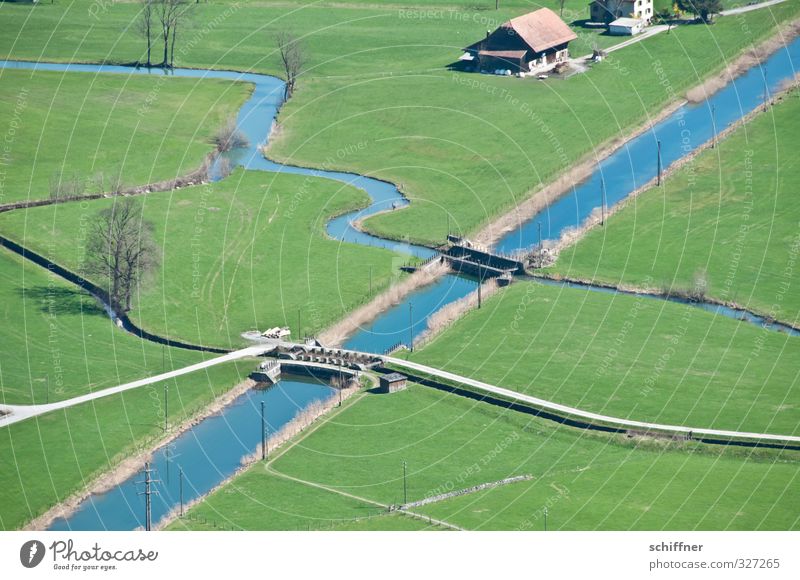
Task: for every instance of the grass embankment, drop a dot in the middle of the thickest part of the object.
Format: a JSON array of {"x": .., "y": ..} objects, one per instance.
[
  {"x": 49, "y": 458},
  {"x": 475, "y": 145},
  {"x": 729, "y": 219},
  {"x": 472, "y": 151},
  {"x": 587, "y": 481},
  {"x": 88, "y": 131},
  {"x": 247, "y": 252},
  {"x": 629, "y": 357},
  {"x": 58, "y": 338}
]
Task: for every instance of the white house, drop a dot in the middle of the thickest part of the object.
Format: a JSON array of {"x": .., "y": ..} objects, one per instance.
[
  {"x": 626, "y": 27},
  {"x": 610, "y": 10}
]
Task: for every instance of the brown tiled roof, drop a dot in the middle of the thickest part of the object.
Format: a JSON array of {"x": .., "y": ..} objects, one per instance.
[
  {"x": 503, "y": 53},
  {"x": 541, "y": 29}
]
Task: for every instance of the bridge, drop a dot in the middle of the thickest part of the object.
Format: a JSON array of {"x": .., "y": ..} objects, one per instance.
[
  {"x": 470, "y": 258},
  {"x": 354, "y": 360}
]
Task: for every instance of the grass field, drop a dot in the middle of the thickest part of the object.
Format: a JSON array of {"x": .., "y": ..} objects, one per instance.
[
  {"x": 247, "y": 252},
  {"x": 587, "y": 481},
  {"x": 730, "y": 218},
  {"x": 370, "y": 37},
  {"x": 629, "y": 357},
  {"x": 468, "y": 150},
  {"x": 48, "y": 458},
  {"x": 92, "y": 130},
  {"x": 472, "y": 146},
  {"x": 57, "y": 338}
]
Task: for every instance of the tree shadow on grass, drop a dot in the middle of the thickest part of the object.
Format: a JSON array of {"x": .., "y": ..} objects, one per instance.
[{"x": 62, "y": 301}]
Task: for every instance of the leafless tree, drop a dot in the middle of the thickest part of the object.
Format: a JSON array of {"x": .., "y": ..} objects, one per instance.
[
  {"x": 121, "y": 251},
  {"x": 292, "y": 58},
  {"x": 171, "y": 15},
  {"x": 145, "y": 25}
]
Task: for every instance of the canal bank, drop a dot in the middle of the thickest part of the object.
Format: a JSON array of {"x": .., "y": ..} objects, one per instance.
[{"x": 399, "y": 322}]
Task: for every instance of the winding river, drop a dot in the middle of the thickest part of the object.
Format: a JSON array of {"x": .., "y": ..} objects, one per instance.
[{"x": 211, "y": 451}]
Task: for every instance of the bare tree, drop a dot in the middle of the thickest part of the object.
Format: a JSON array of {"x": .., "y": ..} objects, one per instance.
[
  {"x": 292, "y": 58},
  {"x": 121, "y": 251},
  {"x": 171, "y": 15},
  {"x": 145, "y": 26},
  {"x": 180, "y": 17}
]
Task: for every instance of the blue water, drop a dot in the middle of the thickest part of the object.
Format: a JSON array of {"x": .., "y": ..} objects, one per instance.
[
  {"x": 636, "y": 163},
  {"x": 255, "y": 120},
  {"x": 404, "y": 322},
  {"x": 212, "y": 450},
  {"x": 716, "y": 309},
  {"x": 207, "y": 453}
]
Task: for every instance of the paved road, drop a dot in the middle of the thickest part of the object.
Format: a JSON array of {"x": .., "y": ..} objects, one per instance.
[
  {"x": 586, "y": 415},
  {"x": 658, "y": 29},
  {"x": 22, "y": 412},
  {"x": 750, "y": 8}
]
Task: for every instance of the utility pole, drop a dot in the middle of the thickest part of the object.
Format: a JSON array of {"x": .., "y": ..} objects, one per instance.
[
  {"x": 180, "y": 480},
  {"x": 602, "y": 201},
  {"x": 714, "y": 126},
  {"x": 545, "y": 519},
  {"x": 47, "y": 386},
  {"x": 263, "y": 433},
  {"x": 658, "y": 182},
  {"x": 341, "y": 382},
  {"x": 163, "y": 359},
  {"x": 766, "y": 90},
  {"x": 539, "y": 230},
  {"x": 370, "y": 280},
  {"x": 410, "y": 327},
  {"x": 166, "y": 405},
  {"x": 480, "y": 285},
  {"x": 148, "y": 481},
  {"x": 299, "y": 330},
  {"x": 405, "y": 486}
]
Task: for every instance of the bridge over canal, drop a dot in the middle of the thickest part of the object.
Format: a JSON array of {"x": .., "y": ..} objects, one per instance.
[{"x": 356, "y": 360}]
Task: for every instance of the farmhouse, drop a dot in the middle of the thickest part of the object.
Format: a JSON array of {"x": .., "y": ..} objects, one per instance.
[
  {"x": 535, "y": 40},
  {"x": 610, "y": 10}
]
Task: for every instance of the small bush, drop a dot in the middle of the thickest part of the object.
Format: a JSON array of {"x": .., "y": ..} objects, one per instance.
[{"x": 229, "y": 137}]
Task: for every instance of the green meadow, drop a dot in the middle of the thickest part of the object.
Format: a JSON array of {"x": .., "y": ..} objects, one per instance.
[
  {"x": 466, "y": 145},
  {"x": 88, "y": 132},
  {"x": 248, "y": 252},
  {"x": 586, "y": 480},
  {"x": 728, "y": 219},
  {"x": 59, "y": 343},
  {"x": 629, "y": 357},
  {"x": 46, "y": 459}
]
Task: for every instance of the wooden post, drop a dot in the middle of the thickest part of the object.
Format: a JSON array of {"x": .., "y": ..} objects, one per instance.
[
  {"x": 658, "y": 179},
  {"x": 602, "y": 201}
]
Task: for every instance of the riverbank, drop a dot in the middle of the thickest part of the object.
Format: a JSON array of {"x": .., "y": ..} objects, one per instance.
[
  {"x": 685, "y": 164},
  {"x": 135, "y": 462},
  {"x": 293, "y": 431},
  {"x": 447, "y": 315},
  {"x": 337, "y": 334},
  {"x": 574, "y": 235}
]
